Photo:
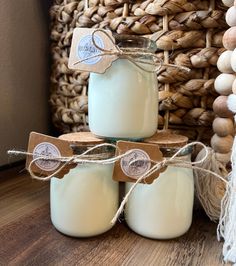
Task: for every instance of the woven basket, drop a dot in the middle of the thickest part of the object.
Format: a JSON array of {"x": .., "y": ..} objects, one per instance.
[{"x": 188, "y": 32}]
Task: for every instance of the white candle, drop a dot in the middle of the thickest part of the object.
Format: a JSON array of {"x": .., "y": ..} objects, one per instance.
[
  {"x": 163, "y": 209},
  {"x": 84, "y": 201},
  {"x": 123, "y": 102}
]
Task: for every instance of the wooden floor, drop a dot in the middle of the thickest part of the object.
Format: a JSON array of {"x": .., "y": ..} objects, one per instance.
[{"x": 27, "y": 236}]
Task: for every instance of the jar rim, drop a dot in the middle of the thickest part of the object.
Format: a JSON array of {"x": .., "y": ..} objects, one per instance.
[
  {"x": 169, "y": 152},
  {"x": 129, "y": 41},
  {"x": 100, "y": 153}
]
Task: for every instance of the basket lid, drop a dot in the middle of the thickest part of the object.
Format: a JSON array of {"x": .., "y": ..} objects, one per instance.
[
  {"x": 166, "y": 139},
  {"x": 82, "y": 138}
]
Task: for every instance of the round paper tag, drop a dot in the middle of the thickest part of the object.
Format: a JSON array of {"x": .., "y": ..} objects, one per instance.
[
  {"x": 137, "y": 168},
  {"x": 46, "y": 149},
  {"x": 86, "y": 49}
]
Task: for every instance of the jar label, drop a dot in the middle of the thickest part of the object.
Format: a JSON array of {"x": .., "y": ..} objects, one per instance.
[
  {"x": 86, "y": 49},
  {"x": 49, "y": 150},
  {"x": 136, "y": 163},
  {"x": 90, "y": 50},
  {"x": 46, "y": 152}
]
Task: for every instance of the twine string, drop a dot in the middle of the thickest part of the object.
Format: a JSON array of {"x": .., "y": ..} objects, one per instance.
[
  {"x": 65, "y": 160},
  {"x": 87, "y": 158},
  {"x": 131, "y": 54}
]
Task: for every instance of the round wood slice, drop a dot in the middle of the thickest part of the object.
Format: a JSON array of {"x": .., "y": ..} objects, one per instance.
[
  {"x": 81, "y": 138},
  {"x": 166, "y": 139}
]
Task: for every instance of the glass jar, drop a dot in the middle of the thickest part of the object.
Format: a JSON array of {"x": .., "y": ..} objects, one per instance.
[
  {"x": 163, "y": 209},
  {"x": 85, "y": 200},
  {"x": 123, "y": 102}
]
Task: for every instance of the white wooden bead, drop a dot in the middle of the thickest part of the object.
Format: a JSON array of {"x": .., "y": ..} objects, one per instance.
[
  {"x": 230, "y": 16},
  {"x": 223, "y": 126},
  {"x": 224, "y": 62},
  {"x": 229, "y": 39},
  {"x": 222, "y": 144},
  {"x": 228, "y": 3},
  {"x": 220, "y": 107},
  {"x": 233, "y": 60},
  {"x": 223, "y": 83}
]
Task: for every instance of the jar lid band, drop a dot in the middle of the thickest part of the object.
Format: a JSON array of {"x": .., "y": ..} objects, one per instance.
[{"x": 100, "y": 153}]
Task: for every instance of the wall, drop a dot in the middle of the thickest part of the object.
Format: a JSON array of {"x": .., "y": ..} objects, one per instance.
[{"x": 23, "y": 73}]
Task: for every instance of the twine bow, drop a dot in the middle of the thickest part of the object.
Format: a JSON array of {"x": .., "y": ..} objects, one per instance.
[{"x": 132, "y": 54}]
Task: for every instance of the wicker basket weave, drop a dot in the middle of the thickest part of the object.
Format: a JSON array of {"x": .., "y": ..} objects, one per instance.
[{"x": 188, "y": 32}]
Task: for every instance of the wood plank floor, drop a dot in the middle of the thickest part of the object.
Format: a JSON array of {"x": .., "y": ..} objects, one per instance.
[{"x": 27, "y": 236}]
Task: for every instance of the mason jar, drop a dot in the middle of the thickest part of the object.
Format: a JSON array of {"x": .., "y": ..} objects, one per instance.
[
  {"x": 85, "y": 200},
  {"x": 123, "y": 102},
  {"x": 163, "y": 209}
]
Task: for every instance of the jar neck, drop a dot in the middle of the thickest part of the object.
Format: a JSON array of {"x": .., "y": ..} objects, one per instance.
[
  {"x": 104, "y": 152},
  {"x": 169, "y": 152},
  {"x": 127, "y": 42}
]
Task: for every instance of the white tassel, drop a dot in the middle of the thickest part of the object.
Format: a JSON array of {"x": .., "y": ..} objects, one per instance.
[{"x": 227, "y": 224}]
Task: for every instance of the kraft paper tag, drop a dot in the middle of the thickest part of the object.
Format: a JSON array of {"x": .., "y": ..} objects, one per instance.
[
  {"x": 82, "y": 47},
  {"x": 126, "y": 171},
  {"x": 43, "y": 145}
]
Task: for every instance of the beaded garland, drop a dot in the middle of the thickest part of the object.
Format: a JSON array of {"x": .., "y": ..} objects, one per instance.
[
  {"x": 209, "y": 191},
  {"x": 223, "y": 85}
]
